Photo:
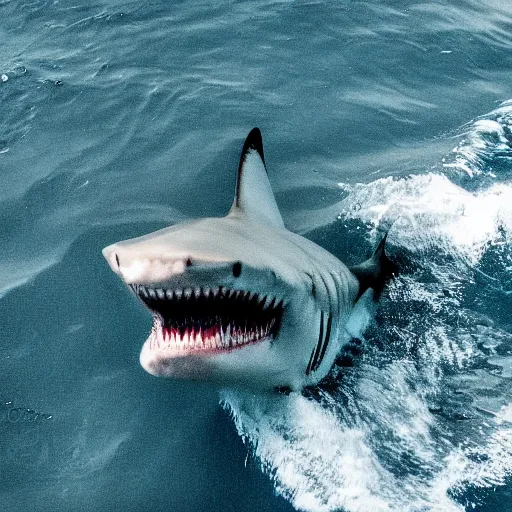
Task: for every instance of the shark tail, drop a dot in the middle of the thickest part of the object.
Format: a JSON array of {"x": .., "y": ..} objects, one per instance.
[{"x": 376, "y": 271}]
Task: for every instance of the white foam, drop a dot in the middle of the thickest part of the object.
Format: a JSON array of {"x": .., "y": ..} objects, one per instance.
[
  {"x": 309, "y": 454},
  {"x": 487, "y": 464},
  {"x": 324, "y": 460},
  {"x": 505, "y": 414},
  {"x": 483, "y": 138},
  {"x": 431, "y": 211}
]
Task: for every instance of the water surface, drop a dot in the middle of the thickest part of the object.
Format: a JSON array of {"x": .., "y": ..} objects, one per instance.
[{"x": 118, "y": 118}]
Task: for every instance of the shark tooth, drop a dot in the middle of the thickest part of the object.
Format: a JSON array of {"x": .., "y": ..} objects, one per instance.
[{"x": 249, "y": 249}]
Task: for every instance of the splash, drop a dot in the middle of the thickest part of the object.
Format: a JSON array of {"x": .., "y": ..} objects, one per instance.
[
  {"x": 431, "y": 212},
  {"x": 424, "y": 413},
  {"x": 486, "y": 142}
]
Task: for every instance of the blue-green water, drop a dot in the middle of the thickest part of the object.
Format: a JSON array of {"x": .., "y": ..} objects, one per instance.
[{"x": 117, "y": 118}]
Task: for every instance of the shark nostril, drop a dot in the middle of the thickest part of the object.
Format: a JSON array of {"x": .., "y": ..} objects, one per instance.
[
  {"x": 189, "y": 262},
  {"x": 117, "y": 261},
  {"x": 237, "y": 269}
]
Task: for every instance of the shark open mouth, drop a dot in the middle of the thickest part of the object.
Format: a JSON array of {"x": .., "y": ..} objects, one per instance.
[{"x": 209, "y": 319}]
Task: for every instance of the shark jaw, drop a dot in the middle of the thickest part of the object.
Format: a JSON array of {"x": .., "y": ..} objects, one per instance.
[
  {"x": 240, "y": 300},
  {"x": 206, "y": 321}
]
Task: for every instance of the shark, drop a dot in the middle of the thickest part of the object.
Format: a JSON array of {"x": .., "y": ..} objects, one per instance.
[{"x": 240, "y": 300}]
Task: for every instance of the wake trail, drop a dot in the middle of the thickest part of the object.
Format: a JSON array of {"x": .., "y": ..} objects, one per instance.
[{"x": 424, "y": 412}]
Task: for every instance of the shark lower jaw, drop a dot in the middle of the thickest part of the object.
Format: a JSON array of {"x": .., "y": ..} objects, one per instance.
[
  {"x": 175, "y": 342},
  {"x": 208, "y": 321}
]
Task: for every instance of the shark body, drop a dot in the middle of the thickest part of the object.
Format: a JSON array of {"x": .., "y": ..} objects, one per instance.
[{"x": 241, "y": 300}]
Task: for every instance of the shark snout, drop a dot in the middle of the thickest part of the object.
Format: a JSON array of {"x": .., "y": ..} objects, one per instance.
[
  {"x": 135, "y": 268},
  {"x": 112, "y": 258},
  {"x": 179, "y": 271}
]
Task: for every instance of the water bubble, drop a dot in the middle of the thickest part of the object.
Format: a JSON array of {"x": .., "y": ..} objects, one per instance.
[{"x": 4, "y": 78}]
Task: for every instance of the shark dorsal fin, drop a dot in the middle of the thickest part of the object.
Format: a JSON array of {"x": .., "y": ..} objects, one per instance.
[{"x": 254, "y": 197}]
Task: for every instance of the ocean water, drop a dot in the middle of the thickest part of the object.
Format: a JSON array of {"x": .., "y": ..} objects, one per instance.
[{"x": 119, "y": 117}]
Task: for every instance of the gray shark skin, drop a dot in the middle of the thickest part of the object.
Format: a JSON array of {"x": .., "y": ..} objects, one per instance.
[{"x": 240, "y": 300}]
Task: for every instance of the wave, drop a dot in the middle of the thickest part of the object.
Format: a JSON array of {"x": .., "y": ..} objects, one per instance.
[
  {"x": 486, "y": 142},
  {"x": 424, "y": 412}
]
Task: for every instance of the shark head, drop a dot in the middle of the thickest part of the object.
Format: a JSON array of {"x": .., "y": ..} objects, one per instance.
[{"x": 239, "y": 299}]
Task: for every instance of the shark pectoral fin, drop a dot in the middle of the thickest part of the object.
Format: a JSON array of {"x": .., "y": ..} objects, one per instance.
[
  {"x": 254, "y": 197},
  {"x": 376, "y": 271}
]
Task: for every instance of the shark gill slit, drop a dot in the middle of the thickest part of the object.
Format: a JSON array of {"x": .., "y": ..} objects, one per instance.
[
  {"x": 308, "y": 369},
  {"x": 318, "y": 353},
  {"x": 327, "y": 338},
  {"x": 313, "y": 360},
  {"x": 319, "y": 344},
  {"x": 320, "y": 348}
]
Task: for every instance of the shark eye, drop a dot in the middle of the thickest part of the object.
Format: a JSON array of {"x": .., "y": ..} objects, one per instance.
[{"x": 237, "y": 269}]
